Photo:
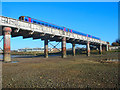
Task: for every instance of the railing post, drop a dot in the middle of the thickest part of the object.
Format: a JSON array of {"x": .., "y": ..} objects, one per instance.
[
  {"x": 88, "y": 48},
  {"x": 63, "y": 47},
  {"x": 46, "y": 48},
  {"x": 73, "y": 49},
  {"x": 6, "y": 51}
]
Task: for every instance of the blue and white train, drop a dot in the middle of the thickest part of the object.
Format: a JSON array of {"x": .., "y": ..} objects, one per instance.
[{"x": 31, "y": 20}]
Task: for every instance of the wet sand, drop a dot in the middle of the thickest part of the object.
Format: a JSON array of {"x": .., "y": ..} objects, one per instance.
[{"x": 55, "y": 72}]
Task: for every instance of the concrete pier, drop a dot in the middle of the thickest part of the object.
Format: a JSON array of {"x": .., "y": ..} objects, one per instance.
[
  {"x": 88, "y": 48},
  {"x": 107, "y": 47},
  {"x": 103, "y": 48},
  {"x": 46, "y": 48},
  {"x": 63, "y": 47},
  {"x": 6, "y": 51},
  {"x": 73, "y": 49},
  {"x": 100, "y": 49}
]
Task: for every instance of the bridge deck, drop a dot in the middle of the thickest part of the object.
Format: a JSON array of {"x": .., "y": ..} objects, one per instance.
[{"x": 36, "y": 31}]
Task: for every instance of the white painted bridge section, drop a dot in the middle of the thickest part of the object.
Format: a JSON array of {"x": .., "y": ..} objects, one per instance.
[{"x": 6, "y": 21}]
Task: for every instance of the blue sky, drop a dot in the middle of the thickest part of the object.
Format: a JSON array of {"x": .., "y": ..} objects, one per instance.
[{"x": 95, "y": 18}]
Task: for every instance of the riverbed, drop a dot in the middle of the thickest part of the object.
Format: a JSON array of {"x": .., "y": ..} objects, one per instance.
[{"x": 56, "y": 72}]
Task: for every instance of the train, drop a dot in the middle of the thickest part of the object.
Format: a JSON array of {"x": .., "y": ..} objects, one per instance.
[{"x": 32, "y": 20}]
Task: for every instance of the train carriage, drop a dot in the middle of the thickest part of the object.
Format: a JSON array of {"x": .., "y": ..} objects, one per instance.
[{"x": 31, "y": 20}]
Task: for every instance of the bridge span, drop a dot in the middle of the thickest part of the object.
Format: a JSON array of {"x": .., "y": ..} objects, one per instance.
[{"x": 13, "y": 27}]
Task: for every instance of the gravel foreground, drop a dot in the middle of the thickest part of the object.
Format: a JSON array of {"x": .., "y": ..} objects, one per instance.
[{"x": 55, "y": 72}]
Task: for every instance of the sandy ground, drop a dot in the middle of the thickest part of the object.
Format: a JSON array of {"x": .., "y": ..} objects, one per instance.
[{"x": 55, "y": 72}]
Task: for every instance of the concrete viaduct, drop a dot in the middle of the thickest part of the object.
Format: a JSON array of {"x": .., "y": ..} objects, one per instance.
[{"x": 13, "y": 27}]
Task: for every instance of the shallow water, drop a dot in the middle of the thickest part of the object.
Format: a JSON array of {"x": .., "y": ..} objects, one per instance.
[
  {"x": 13, "y": 56},
  {"x": 14, "y": 61},
  {"x": 25, "y": 56},
  {"x": 113, "y": 60}
]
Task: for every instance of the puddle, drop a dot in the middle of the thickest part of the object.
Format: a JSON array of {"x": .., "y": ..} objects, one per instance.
[
  {"x": 54, "y": 55},
  {"x": 114, "y": 60},
  {"x": 14, "y": 61}
]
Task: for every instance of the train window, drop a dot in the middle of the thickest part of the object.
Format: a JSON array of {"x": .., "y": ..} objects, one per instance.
[
  {"x": 26, "y": 20},
  {"x": 34, "y": 21},
  {"x": 60, "y": 28},
  {"x": 42, "y": 23},
  {"x": 46, "y": 25},
  {"x": 21, "y": 18}
]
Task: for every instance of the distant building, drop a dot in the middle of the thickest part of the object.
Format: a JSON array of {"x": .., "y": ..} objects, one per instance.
[
  {"x": 56, "y": 50},
  {"x": 33, "y": 49}
]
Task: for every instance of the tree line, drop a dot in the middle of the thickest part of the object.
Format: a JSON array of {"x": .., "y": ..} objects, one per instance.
[{"x": 116, "y": 43}]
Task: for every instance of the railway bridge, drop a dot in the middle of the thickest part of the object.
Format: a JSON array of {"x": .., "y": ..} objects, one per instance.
[{"x": 13, "y": 27}]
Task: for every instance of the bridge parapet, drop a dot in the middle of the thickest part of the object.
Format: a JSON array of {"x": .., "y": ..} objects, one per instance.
[{"x": 26, "y": 26}]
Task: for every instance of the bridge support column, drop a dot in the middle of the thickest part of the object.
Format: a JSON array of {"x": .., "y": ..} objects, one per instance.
[
  {"x": 73, "y": 49},
  {"x": 64, "y": 47},
  {"x": 100, "y": 49},
  {"x": 6, "y": 51},
  {"x": 103, "y": 47},
  {"x": 46, "y": 48},
  {"x": 88, "y": 48},
  {"x": 107, "y": 47}
]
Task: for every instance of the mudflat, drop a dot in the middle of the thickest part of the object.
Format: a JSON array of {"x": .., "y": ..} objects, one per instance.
[{"x": 56, "y": 72}]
